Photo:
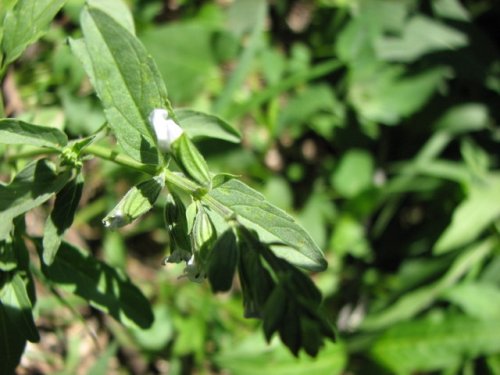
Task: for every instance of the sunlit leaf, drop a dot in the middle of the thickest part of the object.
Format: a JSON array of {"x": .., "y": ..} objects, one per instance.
[
  {"x": 25, "y": 23},
  {"x": 201, "y": 125},
  {"x": 251, "y": 205},
  {"x": 126, "y": 80},
  {"x": 15, "y": 132}
]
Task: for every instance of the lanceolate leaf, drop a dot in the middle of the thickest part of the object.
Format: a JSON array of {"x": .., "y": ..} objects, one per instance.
[
  {"x": 117, "y": 9},
  {"x": 273, "y": 223},
  {"x": 471, "y": 217},
  {"x": 14, "y": 294},
  {"x": 16, "y": 323},
  {"x": 421, "y": 298},
  {"x": 15, "y": 132},
  {"x": 61, "y": 217},
  {"x": 31, "y": 187},
  {"x": 100, "y": 284},
  {"x": 126, "y": 80},
  {"x": 436, "y": 343},
  {"x": 201, "y": 125},
  {"x": 25, "y": 23}
]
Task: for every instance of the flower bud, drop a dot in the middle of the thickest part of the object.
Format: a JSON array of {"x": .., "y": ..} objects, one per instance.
[
  {"x": 190, "y": 161},
  {"x": 194, "y": 271},
  {"x": 177, "y": 227},
  {"x": 136, "y": 202},
  {"x": 166, "y": 130},
  {"x": 203, "y": 234}
]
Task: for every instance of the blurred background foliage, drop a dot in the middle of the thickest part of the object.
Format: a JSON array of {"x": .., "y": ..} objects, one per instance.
[{"x": 374, "y": 121}]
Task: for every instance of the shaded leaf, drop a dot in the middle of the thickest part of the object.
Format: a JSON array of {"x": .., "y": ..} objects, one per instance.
[
  {"x": 14, "y": 295},
  {"x": 411, "y": 303},
  {"x": 31, "y": 187},
  {"x": 223, "y": 261},
  {"x": 16, "y": 323},
  {"x": 101, "y": 285},
  {"x": 61, "y": 217},
  {"x": 435, "y": 343}
]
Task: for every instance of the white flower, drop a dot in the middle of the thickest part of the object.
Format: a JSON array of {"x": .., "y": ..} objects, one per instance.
[
  {"x": 193, "y": 271},
  {"x": 166, "y": 130}
]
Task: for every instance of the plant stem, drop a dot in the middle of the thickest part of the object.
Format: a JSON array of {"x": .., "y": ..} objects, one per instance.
[
  {"x": 173, "y": 178},
  {"x": 107, "y": 154}
]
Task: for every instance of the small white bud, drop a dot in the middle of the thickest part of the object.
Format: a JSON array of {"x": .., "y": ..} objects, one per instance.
[{"x": 166, "y": 130}]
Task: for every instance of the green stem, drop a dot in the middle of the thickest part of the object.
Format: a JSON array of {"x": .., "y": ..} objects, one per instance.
[
  {"x": 172, "y": 178},
  {"x": 108, "y": 154}
]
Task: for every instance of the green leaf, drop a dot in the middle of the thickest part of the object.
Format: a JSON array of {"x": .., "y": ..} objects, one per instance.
[
  {"x": 478, "y": 300},
  {"x": 16, "y": 323},
  {"x": 223, "y": 261},
  {"x": 15, "y": 295},
  {"x": 189, "y": 63},
  {"x": 272, "y": 224},
  {"x": 200, "y": 125},
  {"x": 126, "y": 80},
  {"x": 354, "y": 173},
  {"x": 15, "y": 132},
  {"x": 451, "y": 9},
  {"x": 255, "y": 356},
  {"x": 12, "y": 344},
  {"x": 8, "y": 260},
  {"x": 274, "y": 310},
  {"x": 101, "y": 285},
  {"x": 473, "y": 216},
  {"x": 435, "y": 343},
  {"x": 411, "y": 303},
  {"x": 387, "y": 94},
  {"x": 463, "y": 118},
  {"x": 117, "y": 9},
  {"x": 31, "y": 187},
  {"x": 156, "y": 337},
  {"x": 421, "y": 35},
  {"x": 61, "y": 217},
  {"x": 24, "y": 24},
  {"x": 190, "y": 160}
]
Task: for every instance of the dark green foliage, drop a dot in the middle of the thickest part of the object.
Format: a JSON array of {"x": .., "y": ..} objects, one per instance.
[{"x": 369, "y": 151}]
